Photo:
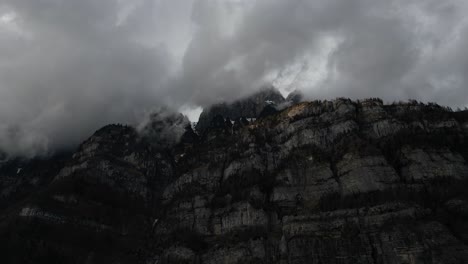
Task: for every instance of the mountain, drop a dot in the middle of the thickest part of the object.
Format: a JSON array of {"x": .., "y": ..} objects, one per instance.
[
  {"x": 318, "y": 182},
  {"x": 295, "y": 97},
  {"x": 249, "y": 107}
]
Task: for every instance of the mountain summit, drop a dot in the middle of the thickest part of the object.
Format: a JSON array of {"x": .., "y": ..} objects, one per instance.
[{"x": 248, "y": 107}]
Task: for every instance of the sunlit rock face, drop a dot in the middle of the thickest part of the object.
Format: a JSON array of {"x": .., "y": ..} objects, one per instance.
[{"x": 317, "y": 182}]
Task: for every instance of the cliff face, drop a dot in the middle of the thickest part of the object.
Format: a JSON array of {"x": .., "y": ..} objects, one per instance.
[{"x": 319, "y": 182}]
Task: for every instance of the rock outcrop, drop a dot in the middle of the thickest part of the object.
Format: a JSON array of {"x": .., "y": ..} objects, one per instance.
[
  {"x": 318, "y": 182},
  {"x": 250, "y": 107}
]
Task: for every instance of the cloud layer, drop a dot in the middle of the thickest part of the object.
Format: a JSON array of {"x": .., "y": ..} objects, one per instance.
[{"x": 68, "y": 67}]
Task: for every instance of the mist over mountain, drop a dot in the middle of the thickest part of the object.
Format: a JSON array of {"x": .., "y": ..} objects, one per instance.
[
  {"x": 324, "y": 181},
  {"x": 69, "y": 67},
  {"x": 328, "y": 131}
]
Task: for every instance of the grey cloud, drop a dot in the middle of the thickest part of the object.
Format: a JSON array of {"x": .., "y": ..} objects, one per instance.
[
  {"x": 76, "y": 72},
  {"x": 68, "y": 67},
  {"x": 163, "y": 128}
]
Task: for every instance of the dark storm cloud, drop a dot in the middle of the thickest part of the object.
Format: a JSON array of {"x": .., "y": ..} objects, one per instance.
[
  {"x": 73, "y": 69},
  {"x": 68, "y": 67}
]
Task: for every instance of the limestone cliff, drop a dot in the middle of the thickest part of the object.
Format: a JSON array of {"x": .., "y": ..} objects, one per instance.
[{"x": 318, "y": 182}]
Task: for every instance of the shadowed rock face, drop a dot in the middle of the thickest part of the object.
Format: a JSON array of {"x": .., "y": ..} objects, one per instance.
[
  {"x": 318, "y": 182},
  {"x": 250, "y": 107}
]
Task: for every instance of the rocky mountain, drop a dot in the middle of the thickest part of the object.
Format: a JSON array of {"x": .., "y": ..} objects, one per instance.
[
  {"x": 295, "y": 97},
  {"x": 249, "y": 107},
  {"x": 318, "y": 182}
]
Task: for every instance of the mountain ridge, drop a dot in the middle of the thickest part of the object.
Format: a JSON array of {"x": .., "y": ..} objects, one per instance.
[{"x": 336, "y": 181}]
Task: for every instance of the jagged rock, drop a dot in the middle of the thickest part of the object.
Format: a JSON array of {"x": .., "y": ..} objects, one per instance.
[
  {"x": 164, "y": 129},
  {"x": 249, "y": 107},
  {"x": 362, "y": 174},
  {"x": 304, "y": 180},
  {"x": 424, "y": 165}
]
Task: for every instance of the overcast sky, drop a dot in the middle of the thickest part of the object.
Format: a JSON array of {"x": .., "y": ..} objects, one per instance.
[{"x": 67, "y": 67}]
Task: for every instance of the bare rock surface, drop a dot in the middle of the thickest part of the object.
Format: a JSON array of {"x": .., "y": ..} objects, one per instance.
[{"x": 336, "y": 181}]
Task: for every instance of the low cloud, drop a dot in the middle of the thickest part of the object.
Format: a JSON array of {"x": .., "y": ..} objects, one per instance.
[
  {"x": 163, "y": 128},
  {"x": 68, "y": 67}
]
